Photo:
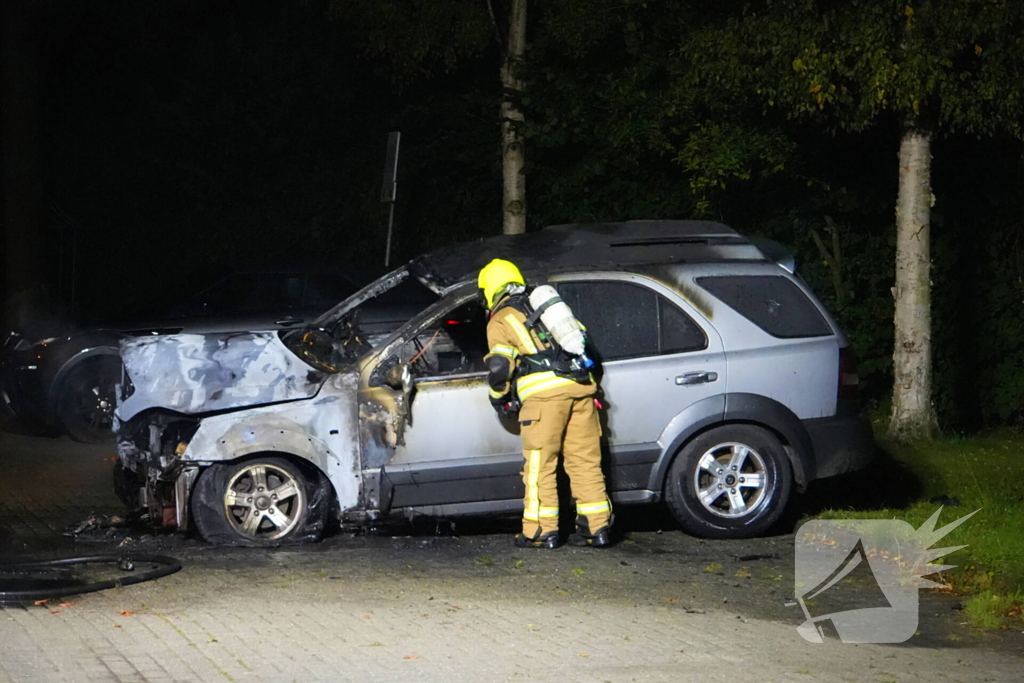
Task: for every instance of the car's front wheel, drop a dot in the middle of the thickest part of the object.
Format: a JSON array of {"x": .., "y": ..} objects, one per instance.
[
  {"x": 263, "y": 501},
  {"x": 730, "y": 482}
]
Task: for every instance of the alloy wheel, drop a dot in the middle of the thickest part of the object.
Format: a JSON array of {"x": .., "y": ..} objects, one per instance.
[
  {"x": 264, "y": 502},
  {"x": 731, "y": 480}
]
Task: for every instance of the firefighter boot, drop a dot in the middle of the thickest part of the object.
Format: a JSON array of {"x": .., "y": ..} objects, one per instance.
[
  {"x": 548, "y": 541},
  {"x": 582, "y": 538}
]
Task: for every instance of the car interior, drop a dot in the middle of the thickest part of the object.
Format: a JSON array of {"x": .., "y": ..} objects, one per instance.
[{"x": 454, "y": 344}]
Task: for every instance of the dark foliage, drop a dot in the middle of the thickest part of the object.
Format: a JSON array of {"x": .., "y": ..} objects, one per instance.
[{"x": 184, "y": 135}]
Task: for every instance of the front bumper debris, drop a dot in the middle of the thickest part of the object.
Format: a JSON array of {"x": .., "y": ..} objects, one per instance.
[{"x": 150, "y": 452}]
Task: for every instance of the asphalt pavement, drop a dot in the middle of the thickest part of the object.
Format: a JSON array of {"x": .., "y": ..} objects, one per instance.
[{"x": 448, "y": 601}]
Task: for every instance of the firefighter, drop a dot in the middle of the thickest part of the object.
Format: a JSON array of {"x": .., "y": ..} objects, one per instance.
[{"x": 557, "y": 415}]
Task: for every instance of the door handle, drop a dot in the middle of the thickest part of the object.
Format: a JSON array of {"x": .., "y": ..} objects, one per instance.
[
  {"x": 289, "y": 320},
  {"x": 690, "y": 378}
]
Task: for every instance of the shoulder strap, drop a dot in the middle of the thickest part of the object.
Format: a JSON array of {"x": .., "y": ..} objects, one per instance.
[
  {"x": 532, "y": 319},
  {"x": 520, "y": 302}
]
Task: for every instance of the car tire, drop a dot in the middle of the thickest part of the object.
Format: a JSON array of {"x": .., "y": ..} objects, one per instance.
[
  {"x": 85, "y": 404},
  {"x": 732, "y": 481},
  {"x": 288, "y": 503}
]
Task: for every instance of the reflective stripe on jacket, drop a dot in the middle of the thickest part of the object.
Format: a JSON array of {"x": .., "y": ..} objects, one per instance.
[{"x": 509, "y": 338}]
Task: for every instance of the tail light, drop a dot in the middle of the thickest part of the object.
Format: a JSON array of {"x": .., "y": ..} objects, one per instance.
[{"x": 849, "y": 380}]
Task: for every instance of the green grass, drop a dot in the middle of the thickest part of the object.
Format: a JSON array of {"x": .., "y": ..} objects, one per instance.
[
  {"x": 989, "y": 609},
  {"x": 985, "y": 472}
]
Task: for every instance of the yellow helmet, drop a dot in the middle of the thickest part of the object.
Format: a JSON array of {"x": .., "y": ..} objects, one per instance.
[{"x": 495, "y": 277}]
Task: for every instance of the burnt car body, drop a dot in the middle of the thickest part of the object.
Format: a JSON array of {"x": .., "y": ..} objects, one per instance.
[
  {"x": 264, "y": 437},
  {"x": 65, "y": 378}
]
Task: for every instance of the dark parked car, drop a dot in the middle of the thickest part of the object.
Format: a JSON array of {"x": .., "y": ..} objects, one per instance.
[{"x": 67, "y": 380}]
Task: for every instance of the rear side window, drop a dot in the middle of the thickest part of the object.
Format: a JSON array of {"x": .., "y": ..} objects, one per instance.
[
  {"x": 626, "y": 320},
  {"x": 773, "y": 303}
]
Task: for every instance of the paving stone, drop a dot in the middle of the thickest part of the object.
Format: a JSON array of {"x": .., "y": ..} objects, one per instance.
[{"x": 413, "y": 608}]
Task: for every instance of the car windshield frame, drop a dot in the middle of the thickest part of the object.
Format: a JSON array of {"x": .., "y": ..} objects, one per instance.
[
  {"x": 338, "y": 313},
  {"x": 379, "y": 286},
  {"x": 452, "y": 296}
]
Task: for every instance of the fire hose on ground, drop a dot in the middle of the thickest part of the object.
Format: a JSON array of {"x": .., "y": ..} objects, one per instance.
[{"x": 21, "y": 590}]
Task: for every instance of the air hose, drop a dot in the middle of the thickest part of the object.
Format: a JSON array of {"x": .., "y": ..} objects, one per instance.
[{"x": 19, "y": 590}]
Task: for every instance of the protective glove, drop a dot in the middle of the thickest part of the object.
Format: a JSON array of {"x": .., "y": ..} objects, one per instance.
[{"x": 505, "y": 408}]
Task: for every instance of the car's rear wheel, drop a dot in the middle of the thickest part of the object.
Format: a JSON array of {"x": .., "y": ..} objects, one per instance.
[
  {"x": 85, "y": 405},
  {"x": 259, "y": 502},
  {"x": 730, "y": 482}
]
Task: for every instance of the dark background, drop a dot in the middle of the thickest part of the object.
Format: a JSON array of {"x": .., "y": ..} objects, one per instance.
[{"x": 171, "y": 140}]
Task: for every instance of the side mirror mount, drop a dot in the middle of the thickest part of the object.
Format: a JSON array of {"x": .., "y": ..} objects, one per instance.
[{"x": 399, "y": 377}]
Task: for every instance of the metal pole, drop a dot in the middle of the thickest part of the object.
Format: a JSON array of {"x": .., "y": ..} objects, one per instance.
[
  {"x": 389, "y": 190},
  {"x": 391, "y": 222}
]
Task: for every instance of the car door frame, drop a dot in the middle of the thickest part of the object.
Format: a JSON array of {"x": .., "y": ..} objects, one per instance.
[{"x": 432, "y": 478}]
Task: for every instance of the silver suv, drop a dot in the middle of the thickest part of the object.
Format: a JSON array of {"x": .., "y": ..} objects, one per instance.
[{"x": 725, "y": 385}]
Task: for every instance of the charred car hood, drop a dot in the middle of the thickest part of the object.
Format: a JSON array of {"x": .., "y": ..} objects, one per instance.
[{"x": 203, "y": 373}]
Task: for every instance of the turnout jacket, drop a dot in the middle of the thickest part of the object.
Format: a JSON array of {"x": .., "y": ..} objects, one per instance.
[{"x": 508, "y": 339}]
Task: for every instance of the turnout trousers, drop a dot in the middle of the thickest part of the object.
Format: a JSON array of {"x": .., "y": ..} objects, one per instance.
[{"x": 566, "y": 426}]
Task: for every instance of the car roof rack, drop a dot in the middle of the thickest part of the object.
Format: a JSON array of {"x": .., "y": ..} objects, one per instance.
[{"x": 589, "y": 246}]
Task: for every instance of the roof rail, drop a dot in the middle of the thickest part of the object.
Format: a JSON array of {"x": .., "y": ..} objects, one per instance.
[{"x": 590, "y": 246}]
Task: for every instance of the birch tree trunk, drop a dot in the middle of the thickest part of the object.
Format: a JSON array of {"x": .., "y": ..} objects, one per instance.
[
  {"x": 912, "y": 414},
  {"x": 512, "y": 143}
]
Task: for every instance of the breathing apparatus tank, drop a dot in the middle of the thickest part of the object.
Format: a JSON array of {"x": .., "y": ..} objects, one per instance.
[{"x": 560, "y": 321}]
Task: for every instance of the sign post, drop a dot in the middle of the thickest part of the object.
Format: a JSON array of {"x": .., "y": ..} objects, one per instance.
[{"x": 389, "y": 190}]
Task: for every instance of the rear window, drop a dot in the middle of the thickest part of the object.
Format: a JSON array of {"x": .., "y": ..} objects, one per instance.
[{"x": 773, "y": 303}]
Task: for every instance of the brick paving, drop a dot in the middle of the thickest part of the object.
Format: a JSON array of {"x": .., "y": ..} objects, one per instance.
[{"x": 425, "y": 608}]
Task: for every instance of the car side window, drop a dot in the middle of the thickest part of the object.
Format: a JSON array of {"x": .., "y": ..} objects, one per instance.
[
  {"x": 679, "y": 333},
  {"x": 772, "y": 302},
  {"x": 628, "y": 320}
]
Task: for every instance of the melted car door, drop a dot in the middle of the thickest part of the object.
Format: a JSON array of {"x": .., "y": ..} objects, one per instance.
[{"x": 455, "y": 450}]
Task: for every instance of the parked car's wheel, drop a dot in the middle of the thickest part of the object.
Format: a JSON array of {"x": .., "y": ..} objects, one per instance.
[
  {"x": 729, "y": 482},
  {"x": 85, "y": 405},
  {"x": 263, "y": 501}
]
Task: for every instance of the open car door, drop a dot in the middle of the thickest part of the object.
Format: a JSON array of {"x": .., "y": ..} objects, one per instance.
[{"x": 456, "y": 456}]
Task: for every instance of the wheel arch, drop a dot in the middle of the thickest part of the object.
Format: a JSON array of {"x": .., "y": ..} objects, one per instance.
[
  {"x": 248, "y": 441},
  {"x": 727, "y": 409},
  {"x": 218, "y": 443},
  {"x": 307, "y": 465}
]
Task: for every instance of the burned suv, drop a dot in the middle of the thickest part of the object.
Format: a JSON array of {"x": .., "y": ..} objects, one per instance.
[{"x": 725, "y": 385}]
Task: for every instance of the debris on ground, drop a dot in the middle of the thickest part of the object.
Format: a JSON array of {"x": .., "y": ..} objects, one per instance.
[{"x": 95, "y": 526}]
